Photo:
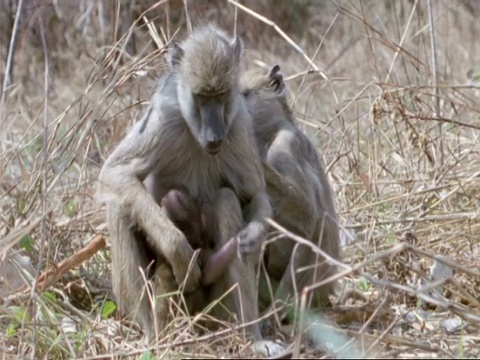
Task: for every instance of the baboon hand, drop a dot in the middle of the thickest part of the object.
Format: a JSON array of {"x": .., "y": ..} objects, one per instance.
[
  {"x": 250, "y": 239},
  {"x": 187, "y": 278}
]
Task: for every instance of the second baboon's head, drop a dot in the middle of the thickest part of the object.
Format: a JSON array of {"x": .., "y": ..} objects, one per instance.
[
  {"x": 207, "y": 66},
  {"x": 264, "y": 93}
]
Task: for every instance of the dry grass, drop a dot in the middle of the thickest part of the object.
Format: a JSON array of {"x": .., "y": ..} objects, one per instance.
[{"x": 399, "y": 134}]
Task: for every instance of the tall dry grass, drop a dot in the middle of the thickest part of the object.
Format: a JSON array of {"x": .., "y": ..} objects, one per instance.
[{"x": 398, "y": 131}]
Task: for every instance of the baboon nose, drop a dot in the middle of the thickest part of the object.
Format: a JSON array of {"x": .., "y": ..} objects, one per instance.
[{"x": 213, "y": 147}]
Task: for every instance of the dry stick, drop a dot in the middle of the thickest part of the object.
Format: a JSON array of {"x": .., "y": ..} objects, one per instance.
[
  {"x": 420, "y": 192},
  {"x": 317, "y": 50},
  {"x": 368, "y": 30},
  {"x": 399, "y": 341},
  {"x": 442, "y": 120},
  {"x": 400, "y": 45},
  {"x": 17, "y": 234},
  {"x": 376, "y": 257},
  {"x": 282, "y": 34},
  {"x": 130, "y": 31},
  {"x": 374, "y": 315},
  {"x": 235, "y": 17},
  {"x": 443, "y": 304},
  {"x": 452, "y": 192},
  {"x": 300, "y": 325},
  {"x": 381, "y": 38},
  {"x": 446, "y": 261},
  {"x": 152, "y": 30},
  {"x": 44, "y": 200},
  {"x": 55, "y": 272},
  {"x": 187, "y": 15},
  {"x": 382, "y": 336},
  {"x": 313, "y": 247},
  {"x": 435, "y": 78},
  {"x": 198, "y": 339},
  {"x": 466, "y": 295},
  {"x": 11, "y": 50}
]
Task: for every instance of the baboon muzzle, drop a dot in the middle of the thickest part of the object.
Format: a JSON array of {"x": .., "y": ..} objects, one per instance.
[{"x": 213, "y": 128}]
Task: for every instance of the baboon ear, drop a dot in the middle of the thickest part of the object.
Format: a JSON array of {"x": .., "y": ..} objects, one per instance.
[
  {"x": 175, "y": 55},
  {"x": 276, "y": 79},
  {"x": 237, "y": 48}
]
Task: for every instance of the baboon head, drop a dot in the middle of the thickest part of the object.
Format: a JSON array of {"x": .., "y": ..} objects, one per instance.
[
  {"x": 207, "y": 65},
  {"x": 259, "y": 81},
  {"x": 264, "y": 93}
]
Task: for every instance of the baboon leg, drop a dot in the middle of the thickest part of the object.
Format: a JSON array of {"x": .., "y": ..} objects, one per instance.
[
  {"x": 328, "y": 240},
  {"x": 315, "y": 267},
  {"x": 130, "y": 257},
  {"x": 297, "y": 213},
  {"x": 163, "y": 285},
  {"x": 243, "y": 300},
  {"x": 326, "y": 237}
]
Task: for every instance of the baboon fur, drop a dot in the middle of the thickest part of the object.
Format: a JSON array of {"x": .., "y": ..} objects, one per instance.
[
  {"x": 196, "y": 133},
  {"x": 298, "y": 188}
]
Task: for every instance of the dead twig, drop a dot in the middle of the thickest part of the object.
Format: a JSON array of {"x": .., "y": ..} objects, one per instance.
[{"x": 52, "y": 275}]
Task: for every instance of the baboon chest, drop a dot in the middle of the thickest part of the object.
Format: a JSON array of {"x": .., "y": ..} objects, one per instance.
[{"x": 201, "y": 173}]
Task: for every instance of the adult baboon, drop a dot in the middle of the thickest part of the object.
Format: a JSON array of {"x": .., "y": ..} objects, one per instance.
[
  {"x": 298, "y": 188},
  {"x": 196, "y": 134}
]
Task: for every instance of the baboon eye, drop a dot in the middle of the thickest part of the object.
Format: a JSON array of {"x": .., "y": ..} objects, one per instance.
[{"x": 247, "y": 93}]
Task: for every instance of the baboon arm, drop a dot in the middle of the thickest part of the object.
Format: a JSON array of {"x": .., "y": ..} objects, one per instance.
[
  {"x": 251, "y": 237},
  {"x": 120, "y": 181},
  {"x": 279, "y": 186},
  {"x": 258, "y": 209}
]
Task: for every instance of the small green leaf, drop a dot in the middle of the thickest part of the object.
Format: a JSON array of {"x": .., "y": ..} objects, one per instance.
[
  {"x": 147, "y": 355},
  {"x": 19, "y": 313},
  {"x": 26, "y": 243},
  {"x": 391, "y": 240},
  {"x": 70, "y": 208},
  {"x": 108, "y": 308},
  {"x": 48, "y": 295},
  {"x": 364, "y": 284},
  {"x": 11, "y": 330}
]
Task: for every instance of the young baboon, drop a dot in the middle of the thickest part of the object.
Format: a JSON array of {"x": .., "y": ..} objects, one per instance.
[
  {"x": 188, "y": 216},
  {"x": 185, "y": 213},
  {"x": 297, "y": 185},
  {"x": 196, "y": 134}
]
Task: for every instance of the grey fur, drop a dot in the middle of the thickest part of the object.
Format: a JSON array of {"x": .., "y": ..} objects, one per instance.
[
  {"x": 170, "y": 152},
  {"x": 297, "y": 185}
]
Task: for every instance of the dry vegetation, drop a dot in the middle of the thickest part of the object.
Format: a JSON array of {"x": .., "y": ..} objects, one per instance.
[{"x": 397, "y": 127}]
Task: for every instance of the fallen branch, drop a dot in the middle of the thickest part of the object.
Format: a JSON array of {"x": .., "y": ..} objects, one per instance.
[{"x": 52, "y": 275}]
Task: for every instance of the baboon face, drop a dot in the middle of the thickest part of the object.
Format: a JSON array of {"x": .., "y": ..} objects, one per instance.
[
  {"x": 208, "y": 92},
  {"x": 210, "y": 123}
]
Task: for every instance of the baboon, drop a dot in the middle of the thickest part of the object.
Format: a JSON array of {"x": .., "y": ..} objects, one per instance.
[
  {"x": 298, "y": 188},
  {"x": 186, "y": 214},
  {"x": 196, "y": 134}
]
